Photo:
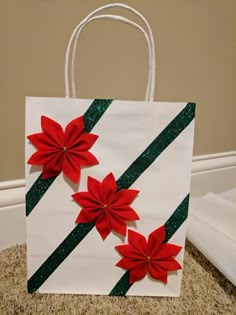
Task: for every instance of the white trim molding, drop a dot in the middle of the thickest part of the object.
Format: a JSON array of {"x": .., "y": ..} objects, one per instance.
[
  {"x": 12, "y": 213},
  {"x": 215, "y": 161},
  {"x": 11, "y": 184},
  {"x": 214, "y": 172}
]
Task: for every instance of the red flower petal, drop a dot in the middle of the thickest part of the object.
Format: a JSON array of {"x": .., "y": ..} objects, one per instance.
[
  {"x": 43, "y": 142},
  {"x": 116, "y": 223},
  {"x": 85, "y": 142},
  {"x": 82, "y": 218},
  {"x": 124, "y": 250},
  {"x": 48, "y": 173},
  {"x": 41, "y": 157},
  {"x": 163, "y": 278},
  {"x": 167, "y": 250},
  {"x": 52, "y": 162},
  {"x": 155, "y": 240},
  {"x": 73, "y": 132},
  {"x": 53, "y": 166},
  {"x": 35, "y": 159},
  {"x": 130, "y": 252},
  {"x": 71, "y": 167},
  {"x": 103, "y": 226},
  {"x": 95, "y": 188},
  {"x": 109, "y": 187},
  {"x": 125, "y": 263},
  {"x": 53, "y": 130},
  {"x": 169, "y": 264},
  {"x": 84, "y": 158},
  {"x": 86, "y": 200},
  {"x": 137, "y": 273},
  {"x": 128, "y": 263},
  {"x": 124, "y": 212},
  {"x": 138, "y": 241},
  {"x": 92, "y": 213},
  {"x": 156, "y": 272},
  {"x": 124, "y": 197}
]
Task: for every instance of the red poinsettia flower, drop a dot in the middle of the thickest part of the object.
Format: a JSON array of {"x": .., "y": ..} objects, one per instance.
[
  {"x": 106, "y": 206},
  {"x": 62, "y": 151},
  {"x": 152, "y": 256}
]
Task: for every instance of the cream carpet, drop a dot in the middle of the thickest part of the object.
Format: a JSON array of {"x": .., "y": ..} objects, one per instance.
[{"x": 204, "y": 291}]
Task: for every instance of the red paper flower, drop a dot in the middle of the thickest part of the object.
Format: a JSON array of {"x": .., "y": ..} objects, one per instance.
[
  {"x": 62, "y": 151},
  {"x": 106, "y": 206},
  {"x": 152, "y": 256}
]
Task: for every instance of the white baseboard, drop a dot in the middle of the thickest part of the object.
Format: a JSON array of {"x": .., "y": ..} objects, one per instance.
[
  {"x": 12, "y": 225},
  {"x": 214, "y": 172}
]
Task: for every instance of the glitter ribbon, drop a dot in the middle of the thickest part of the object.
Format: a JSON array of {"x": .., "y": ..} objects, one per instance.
[
  {"x": 57, "y": 257},
  {"x": 39, "y": 188},
  {"x": 159, "y": 144},
  {"x": 171, "y": 226},
  {"x": 177, "y": 125}
]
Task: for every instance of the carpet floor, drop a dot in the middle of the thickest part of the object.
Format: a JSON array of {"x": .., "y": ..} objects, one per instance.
[{"x": 204, "y": 291}]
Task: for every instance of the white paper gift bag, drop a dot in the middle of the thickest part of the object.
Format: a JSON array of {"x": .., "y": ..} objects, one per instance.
[{"x": 107, "y": 188}]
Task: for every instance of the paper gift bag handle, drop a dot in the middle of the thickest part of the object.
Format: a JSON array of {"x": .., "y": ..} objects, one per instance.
[
  {"x": 118, "y": 18},
  {"x": 151, "y": 77}
]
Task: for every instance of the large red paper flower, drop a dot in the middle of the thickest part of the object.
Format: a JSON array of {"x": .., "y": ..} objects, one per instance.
[
  {"x": 62, "y": 151},
  {"x": 152, "y": 256},
  {"x": 106, "y": 206}
]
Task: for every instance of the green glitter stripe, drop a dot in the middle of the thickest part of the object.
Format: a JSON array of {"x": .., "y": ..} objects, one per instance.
[
  {"x": 95, "y": 112},
  {"x": 37, "y": 191},
  {"x": 44, "y": 273},
  {"x": 175, "y": 127},
  {"x": 177, "y": 219},
  {"x": 57, "y": 257},
  {"x": 171, "y": 225},
  {"x": 122, "y": 286},
  {"x": 39, "y": 188}
]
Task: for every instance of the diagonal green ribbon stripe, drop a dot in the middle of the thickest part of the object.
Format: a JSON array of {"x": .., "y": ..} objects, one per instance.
[
  {"x": 37, "y": 191},
  {"x": 171, "y": 225},
  {"x": 95, "y": 112},
  {"x": 159, "y": 144},
  {"x": 62, "y": 251},
  {"x": 40, "y": 186},
  {"x": 177, "y": 219},
  {"x": 181, "y": 121}
]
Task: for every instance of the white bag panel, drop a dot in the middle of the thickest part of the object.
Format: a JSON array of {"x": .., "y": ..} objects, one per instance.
[{"x": 121, "y": 140}]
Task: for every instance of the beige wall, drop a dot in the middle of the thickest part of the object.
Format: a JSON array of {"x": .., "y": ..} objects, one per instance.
[{"x": 196, "y": 52}]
